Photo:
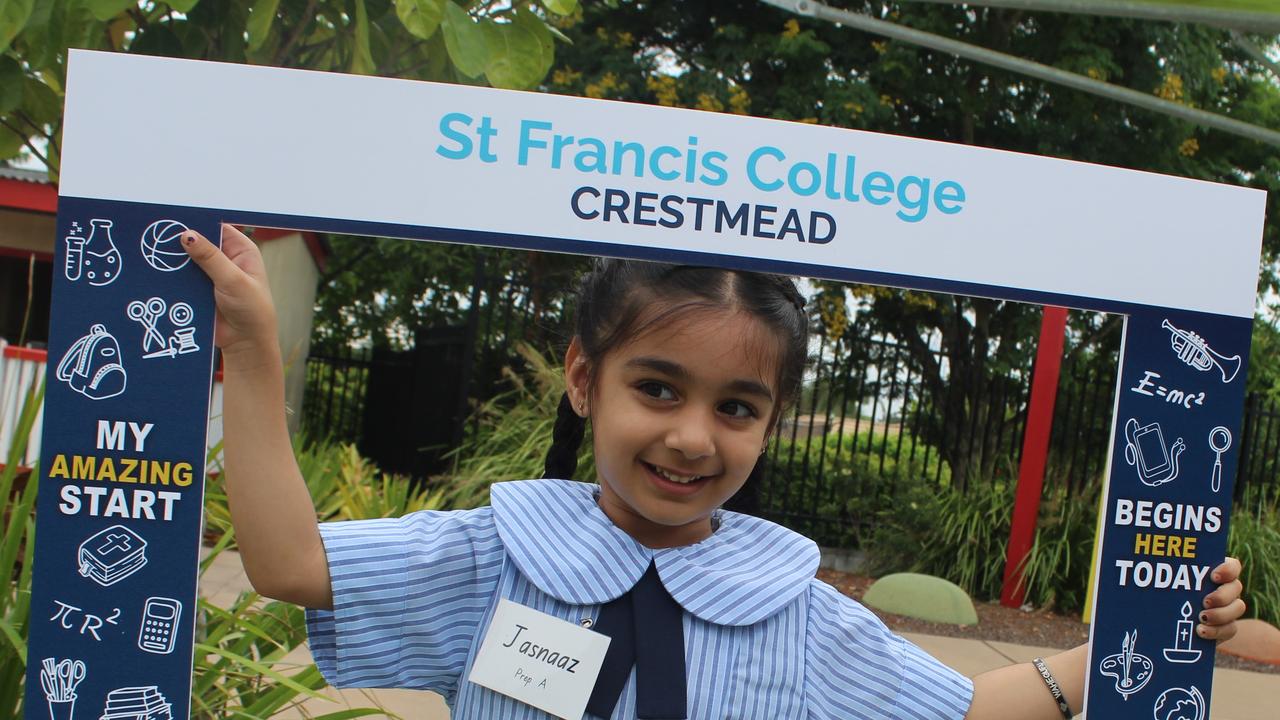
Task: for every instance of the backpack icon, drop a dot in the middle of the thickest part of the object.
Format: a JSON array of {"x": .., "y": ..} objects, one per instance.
[{"x": 92, "y": 366}]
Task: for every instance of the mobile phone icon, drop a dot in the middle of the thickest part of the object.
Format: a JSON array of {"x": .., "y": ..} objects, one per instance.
[{"x": 159, "y": 625}]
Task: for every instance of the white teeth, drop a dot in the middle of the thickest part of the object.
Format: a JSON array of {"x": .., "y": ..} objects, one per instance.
[{"x": 682, "y": 479}]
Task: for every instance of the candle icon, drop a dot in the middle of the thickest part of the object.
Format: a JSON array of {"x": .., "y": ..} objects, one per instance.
[{"x": 1181, "y": 652}]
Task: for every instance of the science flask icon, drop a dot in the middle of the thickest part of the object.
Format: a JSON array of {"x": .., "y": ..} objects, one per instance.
[{"x": 96, "y": 258}]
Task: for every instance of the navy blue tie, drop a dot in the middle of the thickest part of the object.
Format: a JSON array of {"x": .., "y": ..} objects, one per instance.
[{"x": 647, "y": 630}]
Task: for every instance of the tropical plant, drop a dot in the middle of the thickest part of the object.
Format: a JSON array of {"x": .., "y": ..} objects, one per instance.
[
  {"x": 962, "y": 537},
  {"x": 503, "y": 44},
  {"x": 1254, "y": 538},
  {"x": 512, "y": 434},
  {"x": 17, "y": 547},
  {"x": 1055, "y": 574}
]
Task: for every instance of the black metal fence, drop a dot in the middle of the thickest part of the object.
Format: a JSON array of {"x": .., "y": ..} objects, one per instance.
[
  {"x": 405, "y": 409},
  {"x": 874, "y": 428},
  {"x": 870, "y": 430}
]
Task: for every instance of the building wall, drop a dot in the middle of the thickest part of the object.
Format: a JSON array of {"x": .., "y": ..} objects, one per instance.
[
  {"x": 293, "y": 276},
  {"x": 22, "y": 231}
]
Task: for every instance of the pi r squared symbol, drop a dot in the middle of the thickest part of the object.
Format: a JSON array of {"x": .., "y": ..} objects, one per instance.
[{"x": 1195, "y": 352}]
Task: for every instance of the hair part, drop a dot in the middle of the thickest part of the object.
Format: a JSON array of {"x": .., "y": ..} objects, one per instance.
[{"x": 620, "y": 300}]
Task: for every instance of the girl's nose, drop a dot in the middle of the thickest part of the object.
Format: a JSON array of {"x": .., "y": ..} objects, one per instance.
[{"x": 692, "y": 437}]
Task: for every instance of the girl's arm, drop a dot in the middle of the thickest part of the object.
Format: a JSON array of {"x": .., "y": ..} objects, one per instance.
[
  {"x": 1017, "y": 692},
  {"x": 273, "y": 515}
]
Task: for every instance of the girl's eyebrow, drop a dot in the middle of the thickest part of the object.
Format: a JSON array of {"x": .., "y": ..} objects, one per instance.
[{"x": 678, "y": 371}]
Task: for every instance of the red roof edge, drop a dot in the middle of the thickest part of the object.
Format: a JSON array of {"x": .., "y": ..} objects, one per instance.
[{"x": 23, "y": 195}]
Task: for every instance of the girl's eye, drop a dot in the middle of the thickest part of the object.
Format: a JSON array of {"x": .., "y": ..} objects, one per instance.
[
  {"x": 737, "y": 409},
  {"x": 656, "y": 390}
]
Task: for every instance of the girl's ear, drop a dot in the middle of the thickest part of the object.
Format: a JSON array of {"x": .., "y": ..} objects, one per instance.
[{"x": 577, "y": 377}]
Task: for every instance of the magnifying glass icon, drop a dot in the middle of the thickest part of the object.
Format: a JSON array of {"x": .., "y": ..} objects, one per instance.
[{"x": 1219, "y": 442}]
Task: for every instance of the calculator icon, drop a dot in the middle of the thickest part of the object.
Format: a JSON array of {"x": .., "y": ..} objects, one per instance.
[{"x": 159, "y": 625}]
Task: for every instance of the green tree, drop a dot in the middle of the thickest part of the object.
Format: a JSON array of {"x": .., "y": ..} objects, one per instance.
[
  {"x": 377, "y": 292},
  {"x": 504, "y": 44},
  {"x": 742, "y": 57}
]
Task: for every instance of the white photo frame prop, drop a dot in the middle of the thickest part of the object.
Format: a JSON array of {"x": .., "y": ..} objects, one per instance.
[{"x": 154, "y": 145}]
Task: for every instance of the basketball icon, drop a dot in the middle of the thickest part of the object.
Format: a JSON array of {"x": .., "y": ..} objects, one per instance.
[{"x": 162, "y": 245}]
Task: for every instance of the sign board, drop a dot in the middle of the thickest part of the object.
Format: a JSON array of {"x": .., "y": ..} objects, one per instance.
[{"x": 153, "y": 144}]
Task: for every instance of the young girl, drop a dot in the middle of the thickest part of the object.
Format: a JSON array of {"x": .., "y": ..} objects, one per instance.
[{"x": 683, "y": 373}]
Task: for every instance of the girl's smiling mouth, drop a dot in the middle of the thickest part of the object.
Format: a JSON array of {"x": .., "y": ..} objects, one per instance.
[{"x": 679, "y": 481}]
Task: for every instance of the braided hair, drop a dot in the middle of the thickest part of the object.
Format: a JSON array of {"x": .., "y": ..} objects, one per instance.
[{"x": 615, "y": 302}]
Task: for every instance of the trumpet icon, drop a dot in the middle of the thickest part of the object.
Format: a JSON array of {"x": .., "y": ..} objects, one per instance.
[{"x": 1195, "y": 352}]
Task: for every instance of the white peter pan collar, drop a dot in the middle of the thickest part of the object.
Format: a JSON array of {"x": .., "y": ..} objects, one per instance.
[{"x": 564, "y": 544}]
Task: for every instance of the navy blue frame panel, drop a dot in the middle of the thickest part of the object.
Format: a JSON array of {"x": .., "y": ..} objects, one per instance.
[{"x": 129, "y": 617}]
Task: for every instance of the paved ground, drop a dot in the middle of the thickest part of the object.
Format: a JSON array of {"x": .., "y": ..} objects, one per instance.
[{"x": 1237, "y": 695}]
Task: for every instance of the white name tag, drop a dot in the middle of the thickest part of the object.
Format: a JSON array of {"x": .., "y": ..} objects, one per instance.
[{"x": 539, "y": 660}]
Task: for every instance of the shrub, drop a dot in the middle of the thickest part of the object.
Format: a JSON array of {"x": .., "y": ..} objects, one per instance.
[
  {"x": 962, "y": 536},
  {"x": 512, "y": 434},
  {"x": 1254, "y": 538},
  {"x": 835, "y": 489}
]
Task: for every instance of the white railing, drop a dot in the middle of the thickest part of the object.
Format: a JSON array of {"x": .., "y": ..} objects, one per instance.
[{"x": 22, "y": 368}]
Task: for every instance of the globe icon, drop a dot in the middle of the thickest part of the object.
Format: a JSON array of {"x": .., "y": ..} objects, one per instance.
[{"x": 1180, "y": 704}]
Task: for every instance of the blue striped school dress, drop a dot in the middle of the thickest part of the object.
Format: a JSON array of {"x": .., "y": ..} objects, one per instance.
[{"x": 763, "y": 638}]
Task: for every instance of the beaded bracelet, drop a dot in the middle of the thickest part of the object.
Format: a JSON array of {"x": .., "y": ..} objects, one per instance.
[{"x": 1054, "y": 690}]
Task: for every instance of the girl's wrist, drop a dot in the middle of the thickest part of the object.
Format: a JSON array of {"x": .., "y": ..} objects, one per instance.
[{"x": 251, "y": 356}]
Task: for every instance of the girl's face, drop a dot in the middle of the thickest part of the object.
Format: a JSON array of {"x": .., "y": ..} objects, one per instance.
[{"x": 679, "y": 416}]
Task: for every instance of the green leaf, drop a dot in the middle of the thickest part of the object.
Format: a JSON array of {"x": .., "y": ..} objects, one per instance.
[
  {"x": 464, "y": 40},
  {"x": 260, "y": 19},
  {"x": 15, "y": 639},
  {"x": 420, "y": 17},
  {"x": 352, "y": 713},
  {"x": 159, "y": 40},
  {"x": 561, "y": 7},
  {"x": 259, "y": 668},
  {"x": 41, "y": 103},
  {"x": 515, "y": 55},
  {"x": 107, "y": 9},
  {"x": 534, "y": 24},
  {"x": 182, "y": 6},
  {"x": 13, "y": 18},
  {"x": 11, "y": 79},
  {"x": 361, "y": 58},
  {"x": 34, "y": 44}
]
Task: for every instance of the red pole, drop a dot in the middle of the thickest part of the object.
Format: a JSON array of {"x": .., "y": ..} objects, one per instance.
[{"x": 1035, "y": 450}]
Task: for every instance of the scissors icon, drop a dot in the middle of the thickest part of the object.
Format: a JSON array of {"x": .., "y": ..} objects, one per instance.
[
  {"x": 148, "y": 314},
  {"x": 70, "y": 673}
]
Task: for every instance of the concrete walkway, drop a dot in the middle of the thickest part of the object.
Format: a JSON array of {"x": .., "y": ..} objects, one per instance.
[{"x": 1237, "y": 695}]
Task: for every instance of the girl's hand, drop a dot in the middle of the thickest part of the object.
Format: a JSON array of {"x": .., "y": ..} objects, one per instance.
[
  {"x": 245, "y": 326},
  {"x": 1223, "y": 606}
]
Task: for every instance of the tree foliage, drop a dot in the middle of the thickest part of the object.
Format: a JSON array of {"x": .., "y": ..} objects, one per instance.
[
  {"x": 504, "y": 44},
  {"x": 741, "y": 57}
]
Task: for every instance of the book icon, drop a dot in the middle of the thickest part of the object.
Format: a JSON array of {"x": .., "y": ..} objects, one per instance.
[
  {"x": 137, "y": 703},
  {"x": 112, "y": 555}
]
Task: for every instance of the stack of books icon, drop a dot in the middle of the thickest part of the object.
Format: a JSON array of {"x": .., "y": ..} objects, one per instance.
[
  {"x": 137, "y": 703},
  {"x": 112, "y": 555}
]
